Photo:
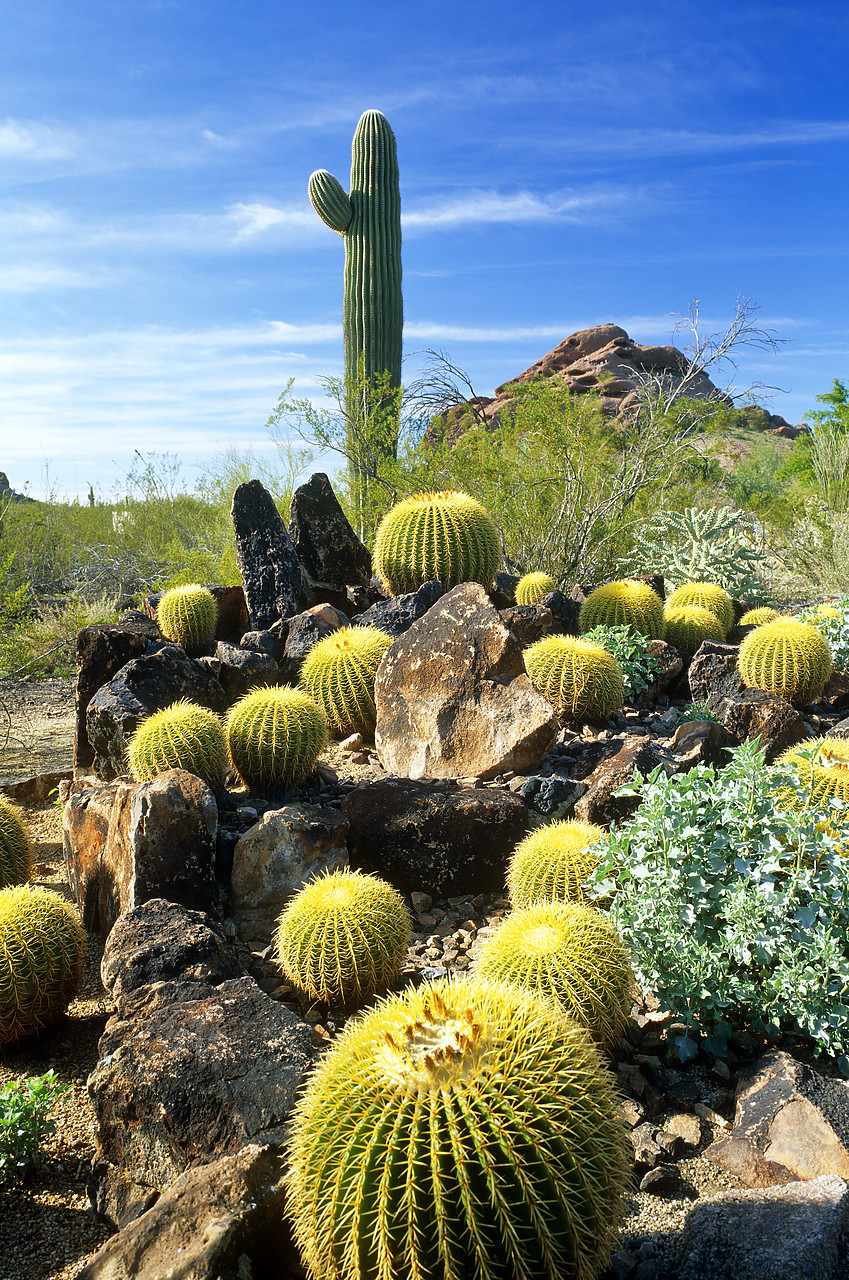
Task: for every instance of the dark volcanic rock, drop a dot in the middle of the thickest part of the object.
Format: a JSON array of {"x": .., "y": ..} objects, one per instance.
[
  {"x": 244, "y": 669},
  {"x": 621, "y": 757},
  {"x": 144, "y": 685},
  {"x": 443, "y": 840},
  {"x": 101, "y": 652},
  {"x": 714, "y": 671},
  {"x": 326, "y": 544},
  {"x": 274, "y": 582},
  {"x": 755, "y": 714},
  {"x": 564, "y": 612},
  {"x": 528, "y": 622},
  {"x": 303, "y": 632},
  {"x": 397, "y": 615}
]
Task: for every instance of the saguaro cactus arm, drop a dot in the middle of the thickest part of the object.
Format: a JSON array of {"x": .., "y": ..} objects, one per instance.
[{"x": 330, "y": 202}]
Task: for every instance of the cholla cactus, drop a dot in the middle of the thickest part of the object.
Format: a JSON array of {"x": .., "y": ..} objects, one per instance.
[
  {"x": 464, "y": 1129},
  {"x": 571, "y": 953},
  {"x": 708, "y": 543}
]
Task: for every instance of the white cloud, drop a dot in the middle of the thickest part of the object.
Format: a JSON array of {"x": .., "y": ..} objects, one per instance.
[
  {"x": 33, "y": 277},
  {"x": 521, "y": 207},
  {"x": 32, "y": 140}
]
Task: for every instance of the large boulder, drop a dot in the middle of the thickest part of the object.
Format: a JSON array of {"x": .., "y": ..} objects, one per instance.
[
  {"x": 144, "y": 685},
  {"x": 276, "y": 857},
  {"x": 220, "y": 1221},
  {"x": 159, "y": 842},
  {"x": 327, "y": 546},
  {"x": 791, "y": 1122},
  {"x": 273, "y": 579},
  {"x": 600, "y": 803},
  {"x": 442, "y": 840},
  {"x": 101, "y": 652},
  {"x": 453, "y": 699}
]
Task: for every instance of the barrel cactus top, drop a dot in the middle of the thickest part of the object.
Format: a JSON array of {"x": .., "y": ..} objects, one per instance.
[
  {"x": 187, "y": 615},
  {"x": 182, "y": 736},
  {"x": 446, "y": 536},
  {"x": 463, "y": 1129},
  {"x": 757, "y": 617},
  {"x": 338, "y": 673},
  {"x": 582, "y": 680},
  {"x": 687, "y": 626},
  {"x": 707, "y": 595},
  {"x": 627, "y": 603}
]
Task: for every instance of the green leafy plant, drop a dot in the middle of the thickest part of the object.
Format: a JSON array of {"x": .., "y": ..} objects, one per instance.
[
  {"x": 631, "y": 650},
  {"x": 627, "y": 603},
  {"x": 735, "y": 913},
  {"x": 716, "y": 544},
  {"x": 464, "y": 1129},
  {"x": 832, "y": 621},
  {"x": 25, "y": 1106},
  {"x": 691, "y": 711}
]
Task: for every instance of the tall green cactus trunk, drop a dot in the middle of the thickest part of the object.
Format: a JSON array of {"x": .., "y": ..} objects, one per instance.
[{"x": 369, "y": 220}]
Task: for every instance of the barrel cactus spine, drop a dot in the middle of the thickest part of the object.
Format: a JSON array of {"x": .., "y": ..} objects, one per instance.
[
  {"x": 182, "y": 736},
  {"x": 446, "y": 536},
  {"x": 187, "y": 616},
  {"x": 274, "y": 738},
  {"x": 42, "y": 943},
  {"x": 787, "y": 658},
  {"x": 757, "y": 617},
  {"x": 707, "y": 595},
  {"x": 462, "y": 1129},
  {"x": 533, "y": 586},
  {"x": 687, "y": 626},
  {"x": 343, "y": 937},
  {"x": 369, "y": 220},
  {"x": 626, "y": 603},
  {"x": 553, "y": 863},
  {"x": 338, "y": 673},
  {"x": 581, "y": 680},
  {"x": 822, "y": 767},
  {"x": 570, "y": 953},
  {"x": 15, "y": 845}
]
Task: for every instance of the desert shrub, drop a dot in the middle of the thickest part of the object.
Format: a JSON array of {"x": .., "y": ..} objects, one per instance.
[
  {"x": 25, "y": 1106},
  {"x": 832, "y": 621},
  {"x": 734, "y": 913}
]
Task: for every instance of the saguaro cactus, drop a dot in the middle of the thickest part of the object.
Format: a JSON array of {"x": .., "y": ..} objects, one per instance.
[{"x": 369, "y": 219}]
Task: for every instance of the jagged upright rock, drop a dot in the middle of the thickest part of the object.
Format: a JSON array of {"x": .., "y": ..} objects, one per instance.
[
  {"x": 326, "y": 545},
  {"x": 272, "y": 575}
]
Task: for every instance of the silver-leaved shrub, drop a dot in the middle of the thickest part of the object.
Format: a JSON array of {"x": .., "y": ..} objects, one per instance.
[{"x": 736, "y": 914}]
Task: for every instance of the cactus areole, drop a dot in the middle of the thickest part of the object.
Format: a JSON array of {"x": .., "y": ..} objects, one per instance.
[{"x": 369, "y": 219}]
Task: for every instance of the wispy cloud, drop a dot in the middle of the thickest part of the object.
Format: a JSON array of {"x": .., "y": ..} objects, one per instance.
[
  {"x": 520, "y": 207},
  {"x": 33, "y": 140},
  {"x": 33, "y": 277},
  {"x": 671, "y": 142}
]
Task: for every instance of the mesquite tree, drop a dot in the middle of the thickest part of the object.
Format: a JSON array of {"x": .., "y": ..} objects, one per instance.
[{"x": 369, "y": 220}]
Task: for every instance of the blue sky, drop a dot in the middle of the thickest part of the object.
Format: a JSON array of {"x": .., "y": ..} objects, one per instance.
[{"x": 164, "y": 275}]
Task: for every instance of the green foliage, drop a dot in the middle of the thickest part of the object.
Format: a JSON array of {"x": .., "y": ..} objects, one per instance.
[
  {"x": 715, "y": 544},
  {"x": 25, "y": 1106},
  {"x": 338, "y": 673},
  {"x": 830, "y": 446},
  {"x": 581, "y": 680},
  {"x": 705, "y": 595},
  {"x": 687, "y": 627},
  {"x": 553, "y": 863},
  {"x": 187, "y": 615},
  {"x": 464, "y": 1129},
  {"x": 693, "y": 711},
  {"x": 630, "y": 648},
  {"x": 15, "y": 845},
  {"x": 627, "y": 603},
  {"x": 274, "y": 737},
  {"x": 831, "y": 620},
  {"x": 343, "y": 937},
  {"x": 571, "y": 954},
  {"x": 735, "y": 913},
  {"x": 41, "y": 956},
  {"x": 815, "y": 551},
  {"x": 445, "y": 535},
  {"x": 531, "y": 588},
  {"x": 788, "y": 658},
  {"x": 182, "y": 736}
]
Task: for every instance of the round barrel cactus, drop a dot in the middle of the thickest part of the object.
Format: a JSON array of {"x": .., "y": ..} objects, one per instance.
[
  {"x": 757, "y": 617},
  {"x": 553, "y": 863},
  {"x": 187, "y": 616},
  {"x": 446, "y": 536},
  {"x": 582, "y": 680},
  {"x": 15, "y": 845},
  {"x": 628, "y": 603},
  {"x": 338, "y": 673},
  {"x": 533, "y": 586},
  {"x": 274, "y": 737},
  {"x": 343, "y": 937},
  {"x": 687, "y": 626},
  {"x": 571, "y": 953},
  {"x": 465, "y": 1129},
  {"x": 41, "y": 954},
  {"x": 707, "y": 595},
  {"x": 822, "y": 767},
  {"x": 788, "y": 658},
  {"x": 182, "y": 736}
]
